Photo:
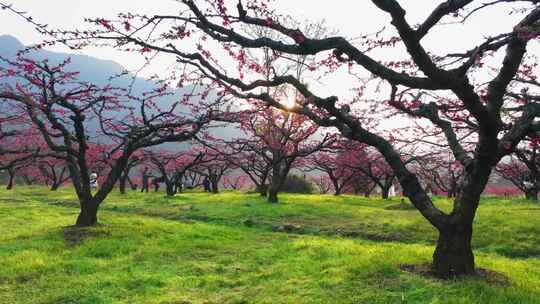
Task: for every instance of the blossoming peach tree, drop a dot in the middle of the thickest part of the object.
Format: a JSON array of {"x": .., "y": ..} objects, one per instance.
[{"x": 72, "y": 117}]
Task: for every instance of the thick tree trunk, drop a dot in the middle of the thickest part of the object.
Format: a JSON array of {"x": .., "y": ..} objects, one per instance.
[
  {"x": 280, "y": 170},
  {"x": 262, "y": 189},
  {"x": 170, "y": 189},
  {"x": 532, "y": 195},
  {"x": 278, "y": 178},
  {"x": 453, "y": 255},
  {"x": 88, "y": 214},
  {"x": 272, "y": 195},
  {"x": 214, "y": 185},
  {"x": 273, "y": 190}
]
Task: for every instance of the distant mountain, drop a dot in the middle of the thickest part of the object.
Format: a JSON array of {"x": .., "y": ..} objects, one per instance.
[
  {"x": 98, "y": 71},
  {"x": 91, "y": 69}
]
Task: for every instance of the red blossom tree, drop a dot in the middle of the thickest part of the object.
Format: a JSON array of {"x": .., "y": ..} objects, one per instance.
[
  {"x": 18, "y": 145},
  {"x": 237, "y": 182},
  {"x": 322, "y": 182},
  {"x": 280, "y": 139},
  {"x": 61, "y": 108},
  {"x": 135, "y": 160},
  {"x": 54, "y": 172},
  {"x": 440, "y": 173},
  {"x": 523, "y": 169},
  {"x": 213, "y": 166},
  {"x": 249, "y": 156},
  {"x": 172, "y": 167},
  {"x": 334, "y": 164}
]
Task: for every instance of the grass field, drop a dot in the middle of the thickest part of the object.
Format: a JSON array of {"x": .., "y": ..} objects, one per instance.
[{"x": 236, "y": 248}]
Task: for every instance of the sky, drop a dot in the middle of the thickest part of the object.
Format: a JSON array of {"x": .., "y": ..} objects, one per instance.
[{"x": 348, "y": 18}]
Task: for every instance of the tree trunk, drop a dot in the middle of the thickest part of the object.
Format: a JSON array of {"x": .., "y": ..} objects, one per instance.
[
  {"x": 122, "y": 185},
  {"x": 532, "y": 194},
  {"x": 453, "y": 255},
  {"x": 272, "y": 195},
  {"x": 278, "y": 177},
  {"x": 170, "y": 188},
  {"x": 337, "y": 189},
  {"x": 385, "y": 192},
  {"x": 273, "y": 189},
  {"x": 88, "y": 214},
  {"x": 214, "y": 185},
  {"x": 10, "y": 182},
  {"x": 178, "y": 187},
  {"x": 55, "y": 186},
  {"x": 262, "y": 189}
]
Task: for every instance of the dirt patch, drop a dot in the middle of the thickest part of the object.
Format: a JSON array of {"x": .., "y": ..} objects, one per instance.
[
  {"x": 190, "y": 208},
  {"x": 401, "y": 206},
  {"x": 489, "y": 276},
  {"x": 380, "y": 237},
  {"x": 528, "y": 209},
  {"x": 363, "y": 233},
  {"x": 74, "y": 235},
  {"x": 249, "y": 223},
  {"x": 69, "y": 204},
  {"x": 289, "y": 228}
]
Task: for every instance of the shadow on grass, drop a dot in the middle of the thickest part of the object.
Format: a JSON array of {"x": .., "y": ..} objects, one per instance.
[
  {"x": 74, "y": 235},
  {"x": 489, "y": 276}
]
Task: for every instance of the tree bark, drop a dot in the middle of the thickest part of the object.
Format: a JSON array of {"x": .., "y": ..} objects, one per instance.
[
  {"x": 385, "y": 192},
  {"x": 122, "y": 185},
  {"x": 88, "y": 214},
  {"x": 337, "y": 188},
  {"x": 532, "y": 194},
  {"x": 262, "y": 189},
  {"x": 55, "y": 186},
  {"x": 214, "y": 185},
  {"x": 169, "y": 186},
  {"x": 273, "y": 189},
  {"x": 11, "y": 179},
  {"x": 273, "y": 195},
  {"x": 453, "y": 255}
]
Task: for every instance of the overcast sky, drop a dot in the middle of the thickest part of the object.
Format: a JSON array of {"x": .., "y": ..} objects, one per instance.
[{"x": 349, "y": 18}]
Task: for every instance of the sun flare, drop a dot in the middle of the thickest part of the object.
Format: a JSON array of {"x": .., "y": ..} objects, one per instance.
[{"x": 290, "y": 101}]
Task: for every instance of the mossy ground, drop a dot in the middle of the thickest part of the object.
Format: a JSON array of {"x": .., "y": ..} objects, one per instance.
[{"x": 236, "y": 248}]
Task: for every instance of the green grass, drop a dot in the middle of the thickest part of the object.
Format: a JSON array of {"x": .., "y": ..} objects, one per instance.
[{"x": 236, "y": 248}]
